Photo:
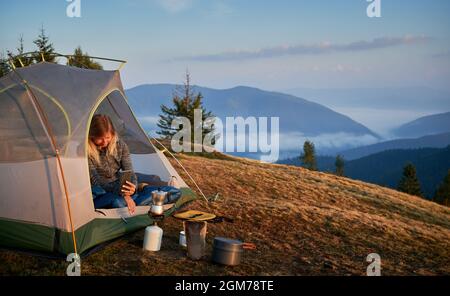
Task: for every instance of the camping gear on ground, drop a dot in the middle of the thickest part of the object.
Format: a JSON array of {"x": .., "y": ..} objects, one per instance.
[
  {"x": 182, "y": 239},
  {"x": 153, "y": 238},
  {"x": 158, "y": 202},
  {"x": 194, "y": 215},
  {"x": 202, "y": 216},
  {"x": 228, "y": 251},
  {"x": 45, "y": 115},
  {"x": 195, "y": 239}
]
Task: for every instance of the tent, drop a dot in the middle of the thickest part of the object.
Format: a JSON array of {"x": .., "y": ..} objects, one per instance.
[{"x": 46, "y": 202}]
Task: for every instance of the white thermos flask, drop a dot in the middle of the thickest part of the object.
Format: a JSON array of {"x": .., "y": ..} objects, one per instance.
[{"x": 152, "y": 238}]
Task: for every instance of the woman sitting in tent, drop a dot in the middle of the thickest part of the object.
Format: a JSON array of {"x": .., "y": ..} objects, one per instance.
[{"x": 107, "y": 156}]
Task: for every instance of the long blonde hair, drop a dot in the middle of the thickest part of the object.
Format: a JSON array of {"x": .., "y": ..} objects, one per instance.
[{"x": 101, "y": 125}]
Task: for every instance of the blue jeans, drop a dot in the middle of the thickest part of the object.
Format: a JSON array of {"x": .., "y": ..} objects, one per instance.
[{"x": 110, "y": 200}]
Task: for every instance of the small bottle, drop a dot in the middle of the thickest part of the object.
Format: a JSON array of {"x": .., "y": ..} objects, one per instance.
[{"x": 153, "y": 238}]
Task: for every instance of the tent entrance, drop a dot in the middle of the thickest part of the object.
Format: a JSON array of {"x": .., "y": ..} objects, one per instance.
[
  {"x": 149, "y": 164},
  {"x": 128, "y": 128}
]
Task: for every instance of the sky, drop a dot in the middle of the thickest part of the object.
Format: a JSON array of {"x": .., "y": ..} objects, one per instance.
[{"x": 273, "y": 45}]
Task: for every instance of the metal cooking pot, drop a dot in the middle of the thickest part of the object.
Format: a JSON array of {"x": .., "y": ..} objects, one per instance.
[{"x": 229, "y": 251}]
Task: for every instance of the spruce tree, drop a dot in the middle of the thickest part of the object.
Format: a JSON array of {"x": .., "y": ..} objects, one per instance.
[
  {"x": 44, "y": 48},
  {"x": 339, "y": 163},
  {"x": 185, "y": 101},
  {"x": 18, "y": 60},
  {"x": 409, "y": 182},
  {"x": 442, "y": 195},
  {"x": 82, "y": 60},
  {"x": 308, "y": 157}
]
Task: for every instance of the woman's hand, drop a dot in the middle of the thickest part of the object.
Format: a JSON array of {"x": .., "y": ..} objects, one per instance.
[
  {"x": 128, "y": 189},
  {"x": 130, "y": 204}
]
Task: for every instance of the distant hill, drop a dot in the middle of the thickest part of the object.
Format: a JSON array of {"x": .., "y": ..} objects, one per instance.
[
  {"x": 386, "y": 168},
  {"x": 432, "y": 141},
  {"x": 427, "y": 125},
  {"x": 404, "y": 98},
  {"x": 298, "y": 117}
]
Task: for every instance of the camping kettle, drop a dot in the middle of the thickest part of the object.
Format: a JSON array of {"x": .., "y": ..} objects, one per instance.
[{"x": 158, "y": 197}]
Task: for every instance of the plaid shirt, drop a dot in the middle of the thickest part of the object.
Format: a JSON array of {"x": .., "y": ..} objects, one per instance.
[{"x": 106, "y": 172}]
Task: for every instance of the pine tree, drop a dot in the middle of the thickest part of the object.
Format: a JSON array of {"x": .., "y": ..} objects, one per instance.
[
  {"x": 82, "y": 60},
  {"x": 442, "y": 195},
  {"x": 308, "y": 157},
  {"x": 409, "y": 182},
  {"x": 185, "y": 101},
  {"x": 18, "y": 60},
  {"x": 44, "y": 47},
  {"x": 339, "y": 163}
]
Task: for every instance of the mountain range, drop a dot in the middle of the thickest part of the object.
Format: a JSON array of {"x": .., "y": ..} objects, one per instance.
[
  {"x": 299, "y": 119},
  {"x": 427, "y": 125},
  {"x": 431, "y": 141},
  {"x": 400, "y": 98}
]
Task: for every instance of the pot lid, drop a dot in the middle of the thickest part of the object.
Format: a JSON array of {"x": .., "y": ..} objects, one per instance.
[{"x": 227, "y": 244}]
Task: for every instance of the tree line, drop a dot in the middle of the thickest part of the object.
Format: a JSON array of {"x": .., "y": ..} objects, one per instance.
[
  {"x": 44, "y": 51},
  {"x": 185, "y": 100},
  {"x": 409, "y": 182}
]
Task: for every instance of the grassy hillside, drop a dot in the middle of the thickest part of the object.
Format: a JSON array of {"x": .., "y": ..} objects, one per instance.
[{"x": 303, "y": 223}]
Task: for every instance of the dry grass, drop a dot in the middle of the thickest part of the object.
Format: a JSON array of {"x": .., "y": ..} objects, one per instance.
[{"x": 303, "y": 223}]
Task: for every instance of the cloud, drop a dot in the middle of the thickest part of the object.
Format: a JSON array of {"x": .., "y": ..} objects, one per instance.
[
  {"x": 149, "y": 123},
  {"x": 288, "y": 141},
  {"x": 174, "y": 6},
  {"x": 340, "y": 68},
  {"x": 220, "y": 8},
  {"x": 444, "y": 55},
  {"x": 149, "y": 119},
  {"x": 295, "y": 140},
  {"x": 310, "y": 49}
]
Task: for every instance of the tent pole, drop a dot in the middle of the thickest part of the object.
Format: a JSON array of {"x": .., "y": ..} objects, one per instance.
[
  {"x": 68, "y": 57},
  {"x": 189, "y": 175},
  {"x": 12, "y": 65},
  {"x": 121, "y": 66}
]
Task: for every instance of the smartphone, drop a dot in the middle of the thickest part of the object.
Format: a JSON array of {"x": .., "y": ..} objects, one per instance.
[{"x": 124, "y": 177}]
